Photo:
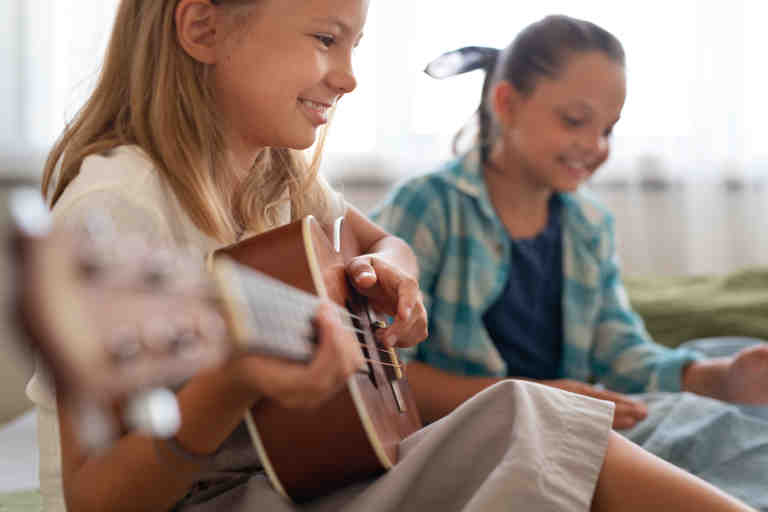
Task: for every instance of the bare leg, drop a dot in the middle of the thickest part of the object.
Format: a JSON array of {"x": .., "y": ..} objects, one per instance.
[{"x": 634, "y": 479}]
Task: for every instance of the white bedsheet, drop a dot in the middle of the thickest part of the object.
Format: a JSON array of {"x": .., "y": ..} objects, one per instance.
[{"x": 18, "y": 454}]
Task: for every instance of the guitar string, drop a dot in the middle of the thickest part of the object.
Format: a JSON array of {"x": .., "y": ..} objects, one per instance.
[
  {"x": 353, "y": 329},
  {"x": 343, "y": 312},
  {"x": 374, "y": 361},
  {"x": 361, "y": 331},
  {"x": 220, "y": 301},
  {"x": 362, "y": 344}
]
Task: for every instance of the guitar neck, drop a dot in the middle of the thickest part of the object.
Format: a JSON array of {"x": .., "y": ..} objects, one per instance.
[{"x": 264, "y": 314}]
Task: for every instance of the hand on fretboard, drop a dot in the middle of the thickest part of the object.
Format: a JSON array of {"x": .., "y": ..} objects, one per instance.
[{"x": 276, "y": 318}]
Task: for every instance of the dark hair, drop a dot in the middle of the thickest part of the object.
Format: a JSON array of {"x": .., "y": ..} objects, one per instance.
[{"x": 541, "y": 49}]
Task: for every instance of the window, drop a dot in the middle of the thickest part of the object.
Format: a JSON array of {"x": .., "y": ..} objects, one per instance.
[{"x": 694, "y": 109}]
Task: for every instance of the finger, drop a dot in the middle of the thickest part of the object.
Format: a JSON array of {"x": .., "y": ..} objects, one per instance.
[
  {"x": 302, "y": 385},
  {"x": 338, "y": 351},
  {"x": 627, "y": 415},
  {"x": 621, "y": 399},
  {"x": 636, "y": 410},
  {"x": 386, "y": 336},
  {"x": 623, "y": 421},
  {"x": 274, "y": 378},
  {"x": 408, "y": 296},
  {"x": 417, "y": 330},
  {"x": 361, "y": 272}
]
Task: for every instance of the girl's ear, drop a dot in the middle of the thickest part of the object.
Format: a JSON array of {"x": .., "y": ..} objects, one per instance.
[
  {"x": 196, "y": 29},
  {"x": 505, "y": 99}
]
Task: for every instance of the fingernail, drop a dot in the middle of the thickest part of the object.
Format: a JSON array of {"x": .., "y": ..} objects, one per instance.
[
  {"x": 363, "y": 275},
  {"x": 391, "y": 340},
  {"x": 408, "y": 311}
]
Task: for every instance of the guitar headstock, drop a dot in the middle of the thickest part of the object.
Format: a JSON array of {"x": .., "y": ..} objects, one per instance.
[{"x": 112, "y": 317}]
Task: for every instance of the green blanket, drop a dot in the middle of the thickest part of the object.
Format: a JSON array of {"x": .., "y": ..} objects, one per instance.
[
  {"x": 23, "y": 501},
  {"x": 677, "y": 309}
]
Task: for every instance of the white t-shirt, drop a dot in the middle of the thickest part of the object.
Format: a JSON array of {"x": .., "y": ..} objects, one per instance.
[{"x": 125, "y": 186}]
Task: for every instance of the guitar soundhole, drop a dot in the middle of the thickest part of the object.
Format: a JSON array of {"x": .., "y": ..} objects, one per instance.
[{"x": 363, "y": 346}]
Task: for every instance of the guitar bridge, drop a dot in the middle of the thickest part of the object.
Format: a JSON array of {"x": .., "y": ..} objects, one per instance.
[{"x": 395, "y": 384}]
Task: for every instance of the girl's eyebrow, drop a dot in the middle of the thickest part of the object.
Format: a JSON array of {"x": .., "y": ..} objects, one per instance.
[
  {"x": 336, "y": 21},
  {"x": 340, "y": 25},
  {"x": 579, "y": 108},
  {"x": 581, "y": 104},
  {"x": 586, "y": 108}
]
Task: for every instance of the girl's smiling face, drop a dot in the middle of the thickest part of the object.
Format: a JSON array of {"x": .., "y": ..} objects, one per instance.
[
  {"x": 559, "y": 134},
  {"x": 279, "y": 72}
]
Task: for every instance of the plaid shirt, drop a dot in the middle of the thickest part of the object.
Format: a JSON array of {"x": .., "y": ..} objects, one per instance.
[{"x": 464, "y": 254}]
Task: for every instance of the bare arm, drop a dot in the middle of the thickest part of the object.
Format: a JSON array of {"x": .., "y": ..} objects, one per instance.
[
  {"x": 128, "y": 476},
  {"x": 739, "y": 379},
  {"x": 438, "y": 392},
  {"x": 136, "y": 473},
  {"x": 706, "y": 377},
  {"x": 387, "y": 273},
  {"x": 375, "y": 240}
]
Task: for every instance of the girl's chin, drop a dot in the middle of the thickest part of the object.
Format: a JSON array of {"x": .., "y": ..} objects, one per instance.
[
  {"x": 306, "y": 140},
  {"x": 299, "y": 143},
  {"x": 569, "y": 185},
  {"x": 572, "y": 181},
  {"x": 303, "y": 145}
]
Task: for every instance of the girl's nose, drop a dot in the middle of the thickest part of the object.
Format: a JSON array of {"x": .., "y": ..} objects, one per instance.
[
  {"x": 342, "y": 78},
  {"x": 597, "y": 143}
]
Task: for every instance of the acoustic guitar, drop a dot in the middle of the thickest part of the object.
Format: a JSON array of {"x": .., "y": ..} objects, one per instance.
[
  {"x": 356, "y": 434},
  {"x": 116, "y": 321}
]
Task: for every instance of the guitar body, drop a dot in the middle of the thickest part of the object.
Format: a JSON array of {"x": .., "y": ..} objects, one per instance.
[{"x": 356, "y": 434}]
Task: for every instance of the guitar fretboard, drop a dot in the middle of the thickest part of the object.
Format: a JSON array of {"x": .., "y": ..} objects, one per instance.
[{"x": 270, "y": 317}]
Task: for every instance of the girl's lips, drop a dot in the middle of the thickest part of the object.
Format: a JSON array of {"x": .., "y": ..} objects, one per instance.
[
  {"x": 315, "y": 111},
  {"x": 578, "y": 170}
]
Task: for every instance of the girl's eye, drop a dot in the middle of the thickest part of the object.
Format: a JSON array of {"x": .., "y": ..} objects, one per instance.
[
  {"x": 326, "y": 39},
  {"x": 572, "y": 121}
]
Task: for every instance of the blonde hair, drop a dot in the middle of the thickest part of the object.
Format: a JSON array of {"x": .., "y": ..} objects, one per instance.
[{"x": 151, "y": 93}]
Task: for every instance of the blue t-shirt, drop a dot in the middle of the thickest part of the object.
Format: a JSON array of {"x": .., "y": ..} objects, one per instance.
[{"x": 526, "y": 323}]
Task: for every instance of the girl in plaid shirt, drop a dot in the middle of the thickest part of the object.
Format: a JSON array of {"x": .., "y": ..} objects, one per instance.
[{"x": 518, "y": 265}]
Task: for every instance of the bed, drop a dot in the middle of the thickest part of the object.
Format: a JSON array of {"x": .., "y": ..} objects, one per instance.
[{"x": 18, "y": 465}]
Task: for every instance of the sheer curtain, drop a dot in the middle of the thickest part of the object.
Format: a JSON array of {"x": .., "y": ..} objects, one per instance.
[
  {"x": 49, "y": 57},
  {"x": 695, "y": 105},
  {"x": 694, "y": 111}
]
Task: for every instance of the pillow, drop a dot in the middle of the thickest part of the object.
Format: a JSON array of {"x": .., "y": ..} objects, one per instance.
[{"x": 677, "y": 309}]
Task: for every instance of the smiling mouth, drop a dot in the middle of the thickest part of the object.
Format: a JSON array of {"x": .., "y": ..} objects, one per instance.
[
  {"x": 315, "y": 105},
  {"x": 317, "y": 111},
  {"x": 577, "y": 165}
]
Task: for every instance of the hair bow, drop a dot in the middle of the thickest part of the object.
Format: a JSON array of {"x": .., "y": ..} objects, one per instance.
[{"x": 462, "y": 60}]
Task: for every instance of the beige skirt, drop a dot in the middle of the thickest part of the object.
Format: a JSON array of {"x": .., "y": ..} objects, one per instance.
[{"x": 515, "y": 446}]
